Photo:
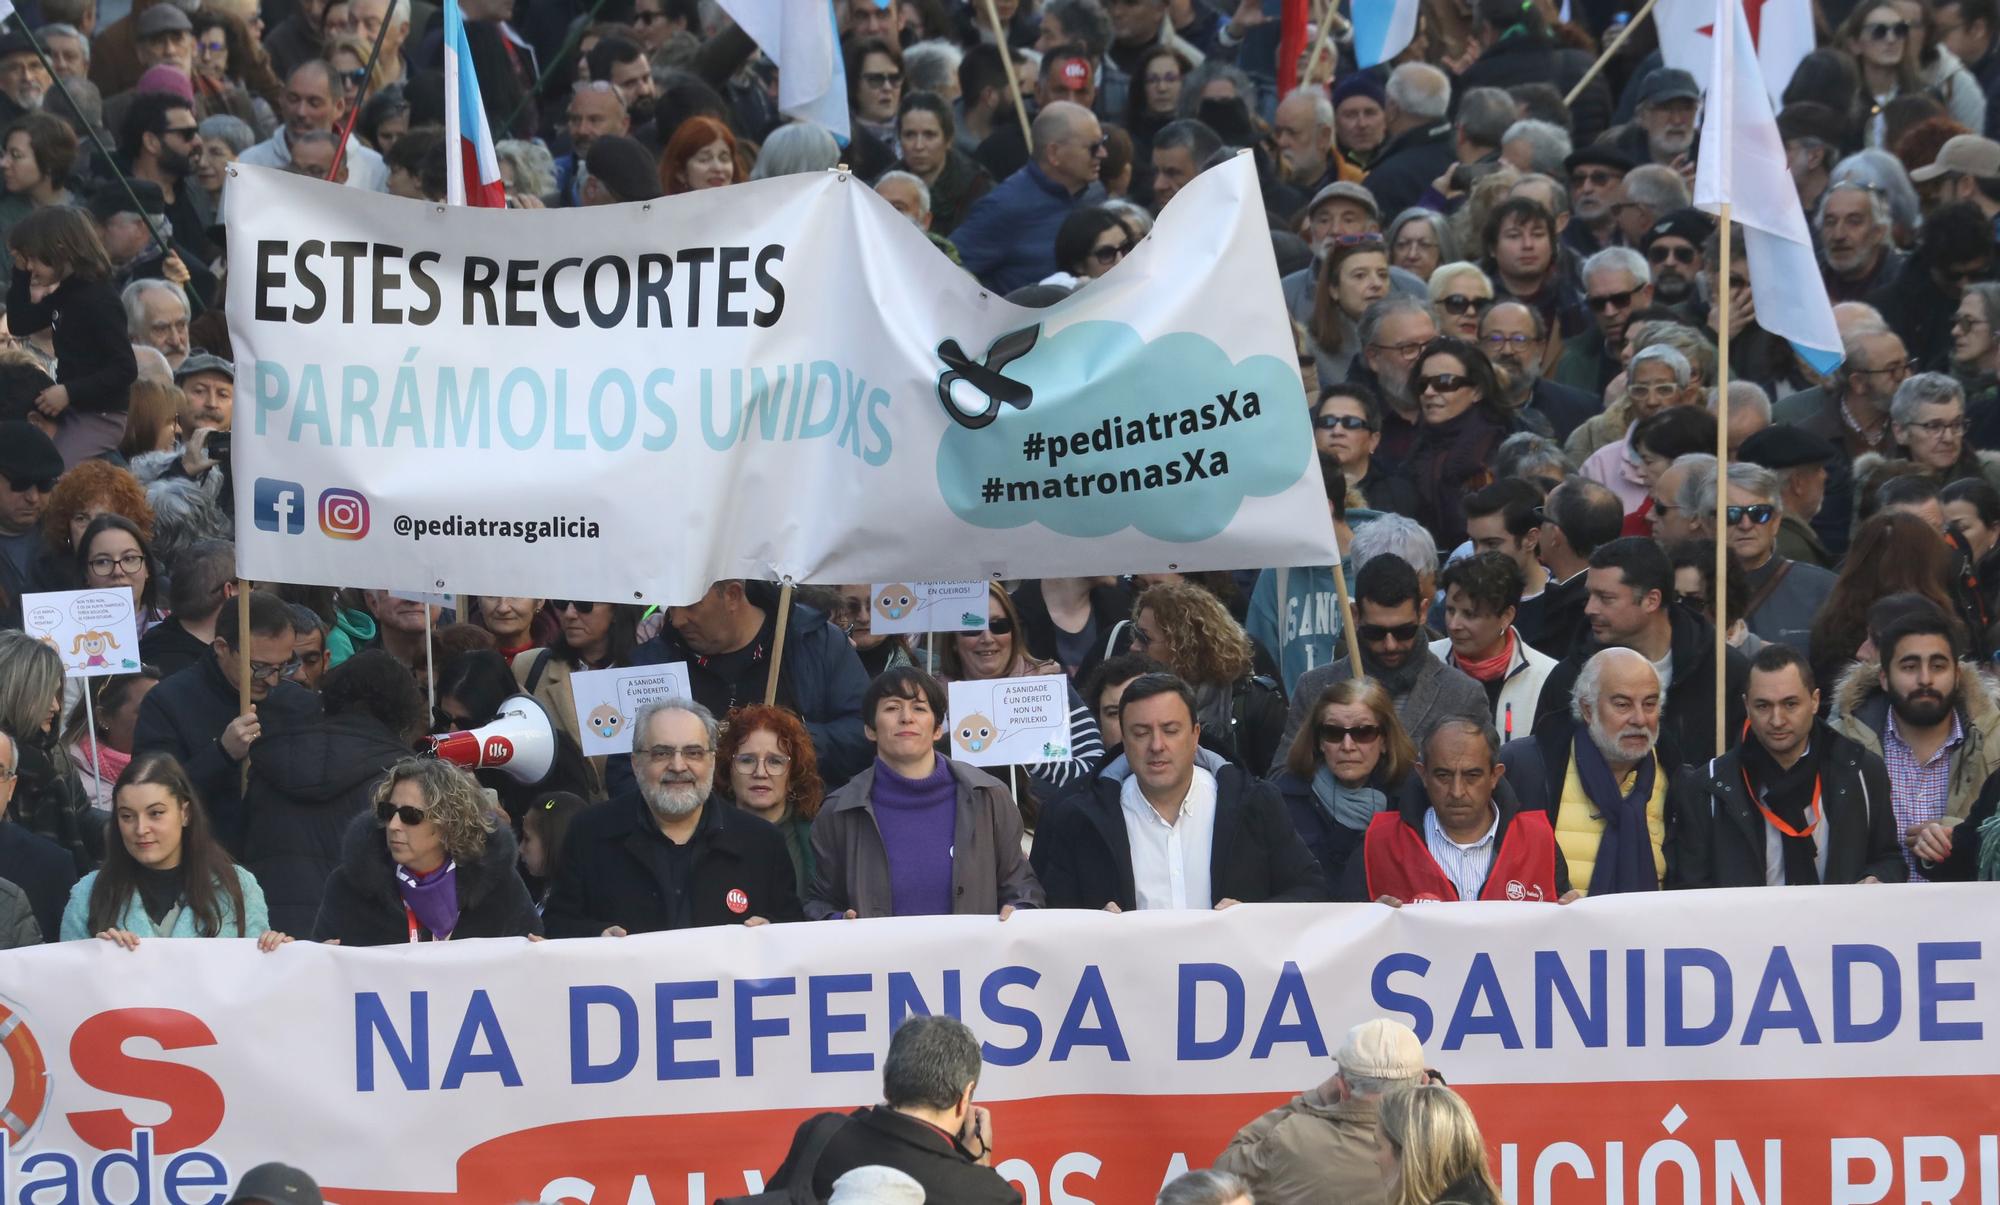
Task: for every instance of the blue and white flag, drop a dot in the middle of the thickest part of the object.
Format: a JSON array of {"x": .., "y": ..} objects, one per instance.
[
  {"x": 800, "y": 37},
  {"x": 1382, "y": 28},
  {"x": 1741, "y": 163}
]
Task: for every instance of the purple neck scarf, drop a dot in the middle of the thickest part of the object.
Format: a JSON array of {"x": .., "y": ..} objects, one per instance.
[{"x": 433, "y": 898}]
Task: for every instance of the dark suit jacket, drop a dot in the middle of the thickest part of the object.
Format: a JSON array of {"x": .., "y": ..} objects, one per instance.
[
  {"x": 40, "y": 867},
  {"x": 1562, "y": 616},
  {"x": 1716, "y": 835},
  {"x": 1565, "y": 407},
  {"x": 1256, "y": 856},
  {"x": 878, "y": 1136}
]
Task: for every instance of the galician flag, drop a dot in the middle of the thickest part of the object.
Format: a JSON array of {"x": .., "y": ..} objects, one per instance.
[
  {"x": 1382, "y": 29},
  {"x": 472, "y": 170},
  {"x": 800, "y": 37},
  {"x": 1781, "y": 30},
  {"x": 1741, "y": 163}
]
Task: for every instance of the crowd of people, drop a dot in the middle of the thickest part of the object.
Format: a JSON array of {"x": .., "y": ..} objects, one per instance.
[{"x": 1507, "y": 316}]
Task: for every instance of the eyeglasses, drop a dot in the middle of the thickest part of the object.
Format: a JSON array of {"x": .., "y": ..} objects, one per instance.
[
  {"x": 1598, "y": 178},
  {"x": 212, "y": 47},
  {"x": 1760, "y": 514},
  {"x": 1369, "y": 239},
  {"x": 665, "y": 754},
  {"x": 181, "y": 131},
  {"x": 1401, "y": 350},
  {"x": 1342, "y": 422},
  {"x": 1161, "y": 81},
  {"x": 1935, "y": 427},
  {"x": 1337, "y": 734},
  {"x": 881, "y": 79},
  {"x": 1607, "y": 302},
  {"x": 776, "y": 763},
  {"x": 1884, "y": 31},
  {"x": 1899, "y": 369},
  {"x": 22, "y": 485},
  {"x": 1664, "y": 392},
  {"x": 1401, "y": 633},
  {"x": 1964, "y": 322},
  {"x": 1000, "y": 626},
  {"x": 130, "y": 563},
  {"x": 1112, "y": 254},
  {"x": 1680, "y": 255},
  {"x": 1500, "y": 341},
  {"x": 1444, "y": 382},
  {"x": 411, "y": 817},
  {"x": 559, "y": 605},
  {"x": 1409, "y": 246},
  {"x": 264, "y": 671},
  {"x": 1459, "y": 305}
]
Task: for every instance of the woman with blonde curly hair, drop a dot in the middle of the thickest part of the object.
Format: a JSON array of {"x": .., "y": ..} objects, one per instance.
[
  {"x": 773, "y": 774},
  {"x": 431, "y": 862},
  {"x": 1241, "y": 712},
  {"x": 1428, "y": 1146}
]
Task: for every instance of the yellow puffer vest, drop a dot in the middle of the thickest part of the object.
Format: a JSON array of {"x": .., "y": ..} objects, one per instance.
[{"x": 1580, "y": 826}]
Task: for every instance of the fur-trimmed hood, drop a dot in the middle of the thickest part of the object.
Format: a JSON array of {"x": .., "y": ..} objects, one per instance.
[{"x": 1861, "y": 713}]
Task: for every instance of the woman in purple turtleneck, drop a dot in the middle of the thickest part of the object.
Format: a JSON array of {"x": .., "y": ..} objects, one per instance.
[
  {"x": 917, "y": 834},
  {"x": 433, "y": 862}
]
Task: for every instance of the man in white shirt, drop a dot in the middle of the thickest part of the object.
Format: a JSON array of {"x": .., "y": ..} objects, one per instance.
[
  {"x": 1172, "y": 825},
  {"x": 313, "y": 101}
]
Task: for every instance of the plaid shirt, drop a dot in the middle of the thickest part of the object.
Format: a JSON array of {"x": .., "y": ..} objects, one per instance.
[{"x": 1918, "y": 792}]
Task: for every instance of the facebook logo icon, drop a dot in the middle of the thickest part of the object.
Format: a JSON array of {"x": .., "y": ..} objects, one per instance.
[{"x": 279, "y": 506}]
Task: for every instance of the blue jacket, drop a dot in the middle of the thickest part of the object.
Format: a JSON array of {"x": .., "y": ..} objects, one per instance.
[
  {"x": 255, "y": 922},
  {"x": 821, "y": 678},
  {"x": 1009, "y": 237}
]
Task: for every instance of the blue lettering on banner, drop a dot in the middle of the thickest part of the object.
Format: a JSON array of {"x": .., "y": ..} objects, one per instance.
[
  {"x": 1413, "y": 1007},
  {"x": 1552, "y": 979},
  {"x": 1290, "y": 999},
  {"x": 1764, "y": 1013},
  {"x": 625, "y": 1057},
  {"x": 1679, "y": 1033},
  {"x": 1001, "y": 1013},
  {"x": 1482, "y": 983},
  {"x": 193, "y": 1177},
  {"x": 1090, "y": 997},
  {"x": 671, "y": 1032},
  {"x": 904, "y": 998},
  {"x": 1931, "y": 992},
  {"x": 1888, "y": 976},
  {"x": 480, "y": 1025},
  {"x": 750, "y": 1027},
  {"x": 1190, "y": 1048},
  {"x": 823, "y": 1023},
  {"x": 412, "y": 1062}
]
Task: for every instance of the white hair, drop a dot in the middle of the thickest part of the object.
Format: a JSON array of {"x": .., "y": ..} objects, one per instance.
[
  {"x": 1203, "y": 1188},
  {"x": 1322, "y": 103},
  {"x": 1395, "y": 535},
  {"x": 1924, "y": 389},
  {"x": 1745, "y": 395},
  {"x": 923, "y": 190},
  {"x": 794, "y": 149},
  {"x": 1548, "y": 142},
  {"x": 1420, "y": 90},
  {"x": 134, "y": 298},
  {"x": 1668, "y": 355},
  {"x": 930, "y": 65},
  {"x": 1758, "y": 480},
  {"x": 1697, "y": 491},
  {"x": 1583, "y": 696},
  {"x": 1619, "y": 259}
]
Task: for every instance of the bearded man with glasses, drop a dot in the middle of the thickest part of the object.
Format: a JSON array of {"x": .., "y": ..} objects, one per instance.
[{"x": 196, "y": 715}]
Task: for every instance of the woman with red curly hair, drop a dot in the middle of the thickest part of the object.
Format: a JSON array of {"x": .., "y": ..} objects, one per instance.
[
  {"x": 89, "y": 489},
  {"x": 773, "y": 775},
  {"x": 701, "y": 154}
]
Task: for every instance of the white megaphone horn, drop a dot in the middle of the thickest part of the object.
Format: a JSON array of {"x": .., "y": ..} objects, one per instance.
[{"x": 520, "y": 742}]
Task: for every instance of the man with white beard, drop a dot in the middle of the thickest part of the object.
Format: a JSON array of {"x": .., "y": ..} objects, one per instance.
[
  {"x": 670, "y": 854},
  {"x": 1597, "y": 771}
]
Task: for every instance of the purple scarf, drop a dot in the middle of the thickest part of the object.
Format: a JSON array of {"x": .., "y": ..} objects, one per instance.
[{"x": 433, "y": 898}]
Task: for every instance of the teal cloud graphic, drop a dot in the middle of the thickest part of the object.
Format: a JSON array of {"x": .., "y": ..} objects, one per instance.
[{"x": 1101, "y": 430}]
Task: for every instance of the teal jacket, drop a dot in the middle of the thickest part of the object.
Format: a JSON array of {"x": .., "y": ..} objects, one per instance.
[{"x": 76, "y": 914}]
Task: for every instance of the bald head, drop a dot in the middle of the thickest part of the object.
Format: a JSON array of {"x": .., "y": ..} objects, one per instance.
[
  {"x": 1057, "y": 122},
  {"x": 1850, "y": 316},
  {"x": 1067, "y": 141}
]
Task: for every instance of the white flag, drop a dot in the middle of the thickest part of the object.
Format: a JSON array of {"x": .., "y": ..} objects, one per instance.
[
  {"x": 1782, "y": 31},
  {"x": 800, "y": 37},
  {"x": 1741, "y": 163}
]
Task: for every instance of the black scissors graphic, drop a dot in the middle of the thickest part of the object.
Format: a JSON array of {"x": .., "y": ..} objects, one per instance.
[{"x": 986, "y": 377}]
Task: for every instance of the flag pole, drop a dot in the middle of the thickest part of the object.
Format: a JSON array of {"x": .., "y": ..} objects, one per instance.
[
  {"x": 1326, "y": 25},
  {"x": 1013, "y": 83},
  {"x": 1610, "y": 50},
  {"x": 1722, "y": 483},
  {"x": 1346, "y": 618},
  {"x": 778, "y": 640}
]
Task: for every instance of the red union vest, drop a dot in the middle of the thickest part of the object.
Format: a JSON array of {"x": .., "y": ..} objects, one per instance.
[{"x": 1399, "y": 862}]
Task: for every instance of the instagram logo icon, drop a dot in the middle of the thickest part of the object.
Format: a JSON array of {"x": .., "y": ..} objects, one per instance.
[{"x": 343, "y": 514}]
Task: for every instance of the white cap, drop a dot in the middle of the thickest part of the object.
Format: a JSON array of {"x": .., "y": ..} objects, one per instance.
[
  {"x": 876, "y": 1186},
  {"x": 1381, "y": 1049}
]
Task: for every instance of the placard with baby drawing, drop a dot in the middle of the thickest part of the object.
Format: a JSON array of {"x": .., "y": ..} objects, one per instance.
[
  {"x": 608, "y": 702},
  {"x": 926, "y": 607},
  {"x": 93, "y": 631},
  {"x": 1010, "y": 721}
]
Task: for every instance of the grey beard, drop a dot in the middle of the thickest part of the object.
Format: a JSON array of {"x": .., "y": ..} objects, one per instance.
[
  {"x": 674, "y": 801},
  {"x": 1607, "y": 742}
]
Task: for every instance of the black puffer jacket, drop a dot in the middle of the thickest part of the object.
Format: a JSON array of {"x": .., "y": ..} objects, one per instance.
[
  {"x": 1524, "y": 58},
  {"x": 306, "y": 786},
  {"x": 49, "y": 801},
  {"x": 363, "y": 908}
]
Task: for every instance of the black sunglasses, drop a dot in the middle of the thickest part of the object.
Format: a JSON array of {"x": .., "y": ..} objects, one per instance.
[
  {"x": 1112, "y": 254},
  {"x": 1611, "y": 301},
  {"x": 1402, "y": 633},
  {"x": 559, "y": 605},
  {"x": 1459, "y": 304},
  {"x": 1446, "y": 382},
  {"x": 1680, "y": 255},
  {"x": 1002, "y": 626},
  {"x": 411, "y": 817},
  {"x": 1363, "y": 734},
  {"x": 22, "y": 485},
  {"x": 1881, "y": 31},
  {"x": 1760, "y": 514},
  {"x": 1347, "y": 422}
]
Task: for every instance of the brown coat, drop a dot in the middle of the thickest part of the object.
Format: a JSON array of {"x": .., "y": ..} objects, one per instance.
[
  {"x": 552, "y": 691},
  {"x": 988, "y": 869},
  {"x": 1312, "y": 1150}
]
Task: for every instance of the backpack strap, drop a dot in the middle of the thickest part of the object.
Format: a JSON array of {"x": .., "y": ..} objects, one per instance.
[{"x": 536, "y": 670}]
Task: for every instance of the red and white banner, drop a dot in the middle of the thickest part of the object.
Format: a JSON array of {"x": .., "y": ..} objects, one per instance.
[{"x": 1823, "y": 1045}]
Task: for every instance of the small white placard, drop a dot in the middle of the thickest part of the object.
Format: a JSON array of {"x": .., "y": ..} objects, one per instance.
[
  {"x": 417, "y": 596},
  {"x": 927, "y": 607},
  {"x": 1010, "y": 721},
  {"x": 93, "y": 631},
  {"x": 608, "y": 701}
]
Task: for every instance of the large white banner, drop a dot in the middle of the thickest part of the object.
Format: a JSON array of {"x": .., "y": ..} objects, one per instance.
[
  {"x": 777, "y": 379},
  {"x": 1787, "y": 1044}
]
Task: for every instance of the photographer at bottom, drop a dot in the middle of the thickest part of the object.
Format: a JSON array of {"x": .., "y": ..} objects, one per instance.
[{"x": 928, "y": 1128}]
